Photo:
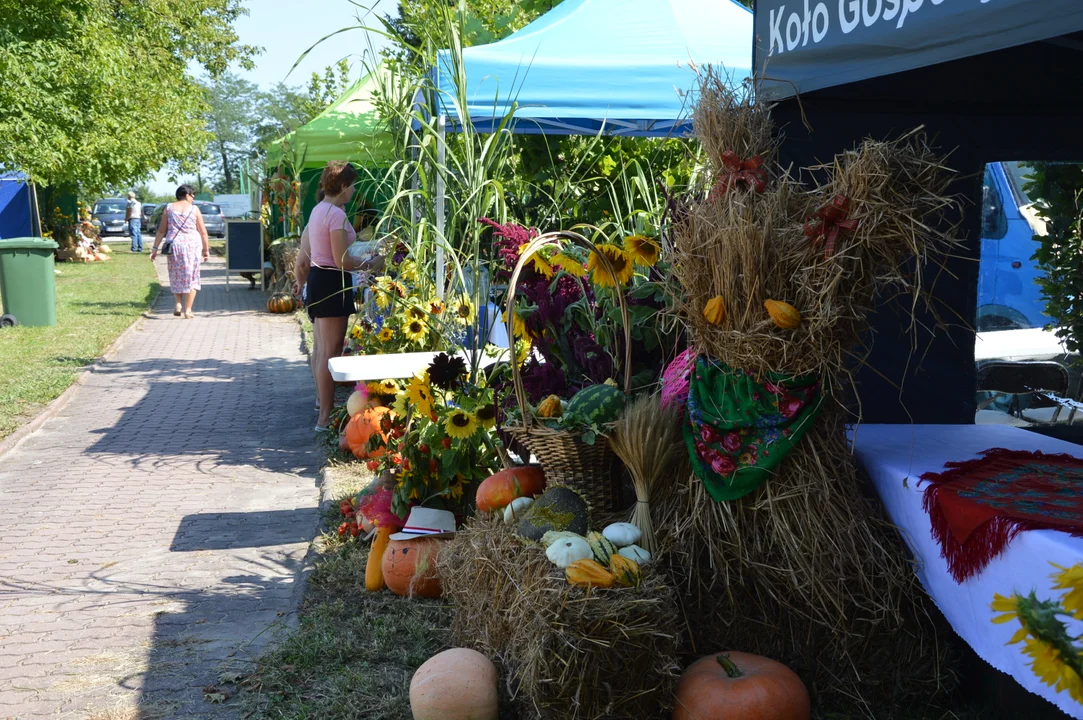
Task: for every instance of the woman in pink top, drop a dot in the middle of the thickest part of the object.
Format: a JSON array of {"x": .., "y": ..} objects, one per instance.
[{"x": 330, "y": 293}]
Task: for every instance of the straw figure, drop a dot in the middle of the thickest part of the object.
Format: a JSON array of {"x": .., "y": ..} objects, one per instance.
[{"x": 771, "y": 539}]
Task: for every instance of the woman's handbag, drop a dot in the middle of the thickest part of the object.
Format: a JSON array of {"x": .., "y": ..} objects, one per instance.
[{"x": 166, "y": 248}]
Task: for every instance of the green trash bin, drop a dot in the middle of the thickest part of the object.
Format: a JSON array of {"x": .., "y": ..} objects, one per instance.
[{"x": 27, "y": 282}]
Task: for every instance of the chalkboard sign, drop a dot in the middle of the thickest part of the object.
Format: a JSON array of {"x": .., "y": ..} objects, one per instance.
[{"x": 244, "y": 247}]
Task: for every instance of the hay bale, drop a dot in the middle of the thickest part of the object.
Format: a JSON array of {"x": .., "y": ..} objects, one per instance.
[{"x": 565, "y": 653}]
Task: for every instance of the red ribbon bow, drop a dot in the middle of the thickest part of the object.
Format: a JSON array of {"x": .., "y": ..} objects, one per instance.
[
  {"x": 823, "y": 226},
  {"x": 750, "y": 171}
]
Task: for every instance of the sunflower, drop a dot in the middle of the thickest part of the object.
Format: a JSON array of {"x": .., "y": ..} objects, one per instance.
[
  {"x": 522, "y": 350},
  {"x": 408, "y": 271},
  {"x": 460, "y": 424},
  {"x": 1049, "y": 666},
  {"x": 642, "y": 249},
  {"x": 1070, "y": 579},
  {"x": 436, "y": 307},
  {"x": 389, "y": 387},
  {"x": 455, "y": 486},
  {"x": 415, "y": 313},
  {"x": 397, "y": 288},
  {"x": 386, "y": 334},
  {"x": 419, "y": 394},
  {"x": 357, "y": 333},
  {"x": 464, "y": 311},
  {"x": 518, "y": 327},
  {"x": 445, "y": 369},
  {"x": 569, "y": 265},
  {"x": 415, "y": 330},
  {"x": 486, "y": 415},
  {"x": 1009, "y": 606},
  {"x": 622, "y": 266},
  {"x": 540, "y": 263},
  {"x": 382, "y": 290},
  {"x": 374, "y": 388}
]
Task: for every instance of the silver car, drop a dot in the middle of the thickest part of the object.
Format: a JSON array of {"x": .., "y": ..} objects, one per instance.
[
  {"x": 108, "y": 216},
  {"x": 213, "y": 219}
]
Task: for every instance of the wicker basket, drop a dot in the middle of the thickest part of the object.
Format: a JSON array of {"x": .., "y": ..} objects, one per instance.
[{"x": 591, "y": 470}]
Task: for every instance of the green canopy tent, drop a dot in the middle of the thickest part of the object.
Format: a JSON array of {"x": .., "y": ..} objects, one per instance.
[{"x": 350, "y": 128}]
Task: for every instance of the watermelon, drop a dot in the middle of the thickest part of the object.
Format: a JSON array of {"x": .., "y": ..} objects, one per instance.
[
  {"x": 557, "y": 509},
  {"x": 597, "y": 404}
]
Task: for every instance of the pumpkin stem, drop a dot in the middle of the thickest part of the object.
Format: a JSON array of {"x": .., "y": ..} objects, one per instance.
[{"x": 729, "y": 666}]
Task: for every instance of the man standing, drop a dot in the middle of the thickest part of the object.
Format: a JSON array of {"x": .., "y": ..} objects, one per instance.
[{"x": 134, "y": 217}]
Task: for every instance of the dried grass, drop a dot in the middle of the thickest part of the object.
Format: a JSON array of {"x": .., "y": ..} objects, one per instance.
[
  {"x": 565, "y": 653},
  {"x": 647, "y": 439},
  {"x": 806, "y": 570}
]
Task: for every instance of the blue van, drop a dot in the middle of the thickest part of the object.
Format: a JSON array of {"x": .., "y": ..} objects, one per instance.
[{"x": 1008, "y": 296}]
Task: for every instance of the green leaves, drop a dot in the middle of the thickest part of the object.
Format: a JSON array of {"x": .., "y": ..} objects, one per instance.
[{"x": 95, "y": 91}]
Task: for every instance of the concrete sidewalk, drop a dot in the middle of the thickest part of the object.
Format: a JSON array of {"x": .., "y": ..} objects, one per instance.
[{"x": 152, "y": 535}]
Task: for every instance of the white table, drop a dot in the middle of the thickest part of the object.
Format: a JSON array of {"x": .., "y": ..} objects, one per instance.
[
  {"x": 895, "y": 456},
  {"x": 392, "y": 366}
]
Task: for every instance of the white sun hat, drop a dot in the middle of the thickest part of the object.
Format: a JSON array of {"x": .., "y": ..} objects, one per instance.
[{"x": 427, "y": 522}]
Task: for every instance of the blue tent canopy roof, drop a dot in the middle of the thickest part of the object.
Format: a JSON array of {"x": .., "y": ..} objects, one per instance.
[{"x": 624, "y": 64}]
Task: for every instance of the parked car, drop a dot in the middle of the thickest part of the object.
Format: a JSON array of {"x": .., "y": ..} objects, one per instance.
[
  {"x": 108, "y": 216},
  {"x": 147, "y": 215},
  {"x": 213, "y": 219},
  {"x": 1008, "y": 296}
]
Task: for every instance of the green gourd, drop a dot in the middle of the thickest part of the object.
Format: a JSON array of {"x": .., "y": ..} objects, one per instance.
[{"x": 602, "y": 548}]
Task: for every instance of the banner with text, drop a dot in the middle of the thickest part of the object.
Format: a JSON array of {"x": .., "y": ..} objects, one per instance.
[{"x": 805, "y": 45}]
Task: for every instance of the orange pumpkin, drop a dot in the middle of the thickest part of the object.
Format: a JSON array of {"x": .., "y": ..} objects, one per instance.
[
  {"x": 410, "y": 567},
  {"x": 457, "y": 684},
  {"x": 361, "y": 427},
  {"x": 496, "y": 491},
  {"x": 281, "y": 303},
  {"x": 740, "y": 686}
]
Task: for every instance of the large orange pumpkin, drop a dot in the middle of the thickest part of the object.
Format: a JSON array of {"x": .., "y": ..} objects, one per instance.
[
  {"x": 410, "y": 567},
  {"x": 361, "y": 427},
  {"x": 739, "y": 686},
  {"x": 498, "y": 490},
  {"x": 457, "y": 684}
]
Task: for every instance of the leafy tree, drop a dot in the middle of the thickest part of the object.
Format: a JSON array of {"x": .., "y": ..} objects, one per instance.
[
  {"x": 232, "y": 104},
  {"x": 286, "y": 108},
  {"x": 95, "y": 92},
  {"x": 1059, "y": 190}
]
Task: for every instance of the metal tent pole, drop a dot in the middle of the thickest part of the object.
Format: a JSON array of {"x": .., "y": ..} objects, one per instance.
[{"x": 441, "y": 156}]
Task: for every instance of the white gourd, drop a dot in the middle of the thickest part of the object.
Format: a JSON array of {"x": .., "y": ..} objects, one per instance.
[
  {"x": 551, "y": 536},
  {"x": 634, "y": 552},
  {"x": 565, "y": 551},
  {"x": 622, "y": 534},
  {"x": 514, "y": 510}
]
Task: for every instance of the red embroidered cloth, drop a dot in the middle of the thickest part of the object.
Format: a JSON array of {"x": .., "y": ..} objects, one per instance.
[{"x": 976, "y": 507}]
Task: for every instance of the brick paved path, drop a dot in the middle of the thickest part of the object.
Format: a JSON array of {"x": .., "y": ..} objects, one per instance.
[{"x": 152, "y": 535}]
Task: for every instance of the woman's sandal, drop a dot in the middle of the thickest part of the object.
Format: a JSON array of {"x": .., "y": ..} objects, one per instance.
[
  {"x": 189, "y": 316},
  {"x": 177, "y": 310}
]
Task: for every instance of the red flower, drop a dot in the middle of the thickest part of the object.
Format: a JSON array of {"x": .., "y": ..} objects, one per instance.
[
  {"x": 345, "y": 507},
  {"x": 396, "y": 460},
  {"x": 732, "y": 442},
  {"x": 343, "y": 528},
  {"x": 433, "y": 467},
  {"x": 708, "y": 434},
  {"x": 433, "y": 417},
  {"x": 372, "y": 465},
  {"x": 789, "y": 406},
  {"x": 355, "y": 531},
  {"x": 406, "y": 465},
  {"x": 423, "y": 448},
  {"x": 446, "y": 442},
  {"x": 723, "y": 465}
]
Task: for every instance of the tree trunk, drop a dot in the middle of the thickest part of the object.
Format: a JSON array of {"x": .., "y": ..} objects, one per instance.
[{"x": 227, "y": 176}]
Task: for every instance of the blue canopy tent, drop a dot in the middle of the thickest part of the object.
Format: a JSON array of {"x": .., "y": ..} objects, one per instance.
[
  {"x": 621, "y": 67},
  {"x": 18, "y": 212},
  {"x": 617, "y": 67}
]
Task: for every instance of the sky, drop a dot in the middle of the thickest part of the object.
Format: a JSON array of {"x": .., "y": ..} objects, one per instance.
[{"x": 286, "y": 28}]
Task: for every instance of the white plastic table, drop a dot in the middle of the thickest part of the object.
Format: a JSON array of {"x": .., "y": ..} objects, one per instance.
[
  {"x": 1030, "y": 344},
  {"x": 393, "y": 366},
  {"x": 895, "y": 456}
]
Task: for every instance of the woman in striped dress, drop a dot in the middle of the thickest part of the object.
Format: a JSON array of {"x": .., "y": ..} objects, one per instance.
[{"x": 183, "y": 224}]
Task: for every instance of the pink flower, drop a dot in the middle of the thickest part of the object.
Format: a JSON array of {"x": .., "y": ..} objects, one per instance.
[
  {"x": 732, "y": 442},
  {"x": 772, "y": 388},
  {"x": 723, "y": 465},
  {"x": 708, "y": 435},
  {"x": 789, "y": 406}
]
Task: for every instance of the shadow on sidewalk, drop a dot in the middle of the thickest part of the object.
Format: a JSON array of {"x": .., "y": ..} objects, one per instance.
[{"x": 255, "y": 413}]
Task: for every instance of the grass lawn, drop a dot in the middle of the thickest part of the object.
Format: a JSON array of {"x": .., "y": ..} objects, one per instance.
[{"x": 95, "y": 302}]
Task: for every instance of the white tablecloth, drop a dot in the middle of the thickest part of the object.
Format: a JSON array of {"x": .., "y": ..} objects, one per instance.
[
  {"x": 895, "y": 456},
  {"x": 1030, "y": 344}
]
